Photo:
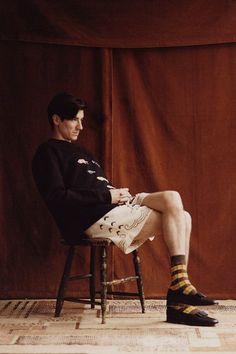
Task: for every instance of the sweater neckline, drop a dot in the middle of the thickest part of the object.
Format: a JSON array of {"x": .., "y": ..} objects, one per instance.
[{"x": 60, "y": 141}]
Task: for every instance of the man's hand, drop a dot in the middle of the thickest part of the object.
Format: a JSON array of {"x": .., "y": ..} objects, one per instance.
[{"x": 120, "y": 196}]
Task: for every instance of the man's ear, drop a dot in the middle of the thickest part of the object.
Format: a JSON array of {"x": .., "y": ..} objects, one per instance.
[{"x": 56, "y": 119}]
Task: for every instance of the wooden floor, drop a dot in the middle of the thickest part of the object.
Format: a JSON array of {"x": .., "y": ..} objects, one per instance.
[{"x": 29, "y": 327}]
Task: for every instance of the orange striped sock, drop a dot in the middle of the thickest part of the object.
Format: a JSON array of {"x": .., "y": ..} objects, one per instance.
[{"x": 179, "y": 276}]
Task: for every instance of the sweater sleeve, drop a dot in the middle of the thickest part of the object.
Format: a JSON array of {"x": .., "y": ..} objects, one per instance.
[{"x": 49, "y": 180}]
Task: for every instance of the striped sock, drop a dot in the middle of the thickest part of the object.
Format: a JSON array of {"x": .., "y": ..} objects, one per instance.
[
  {"x": 179, "y": 276},
  {"x": 186, "y": 309}
]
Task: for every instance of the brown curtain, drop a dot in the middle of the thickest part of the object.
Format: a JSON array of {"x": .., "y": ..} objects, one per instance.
[
  {"x": 174, "y": 128},
  {"x": 157, "y": 118},
  {"x": 119, "y": 24},
  {"x": 30, "y": 253}
]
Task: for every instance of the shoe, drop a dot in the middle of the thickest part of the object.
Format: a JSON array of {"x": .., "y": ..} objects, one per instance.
[
  {"x": 198, "y": 299},
  {"x": 199, "y": 318}
]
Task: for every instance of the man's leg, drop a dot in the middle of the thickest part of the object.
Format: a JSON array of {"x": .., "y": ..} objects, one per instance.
[
  {"x": 174, "y": 224},
  {"x": 154, "y": 225},
  {"x": 176, "y": 228},
  {"x": 188, "y": 229},
  {"x": 170, "y": 205}
]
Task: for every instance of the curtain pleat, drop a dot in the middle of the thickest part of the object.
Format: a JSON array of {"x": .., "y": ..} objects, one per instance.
[{"x": 119, "y": 24}]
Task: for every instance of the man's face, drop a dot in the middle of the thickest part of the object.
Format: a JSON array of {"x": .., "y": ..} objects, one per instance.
[{"x": 68, "y": 129}]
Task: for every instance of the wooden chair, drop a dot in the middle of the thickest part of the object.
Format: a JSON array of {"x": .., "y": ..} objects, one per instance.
[{"x": 103, "y": 245}]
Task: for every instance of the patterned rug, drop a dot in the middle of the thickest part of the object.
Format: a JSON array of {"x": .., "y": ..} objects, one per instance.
[{"x": 29, "y": 326}]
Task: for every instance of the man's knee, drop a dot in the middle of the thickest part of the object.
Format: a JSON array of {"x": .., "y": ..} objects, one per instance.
[{"x": 172, "y": 200}]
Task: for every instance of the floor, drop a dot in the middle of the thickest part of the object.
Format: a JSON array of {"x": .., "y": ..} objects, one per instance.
[{"x": 28, "y": 326}]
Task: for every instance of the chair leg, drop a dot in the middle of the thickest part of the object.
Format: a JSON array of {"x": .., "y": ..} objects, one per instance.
[
  {"x": 64, "y": 279},
  {"x": 92, "y": 280},
  {"x": 137, "y": 267},
  {"x": 103, "y": 282}
]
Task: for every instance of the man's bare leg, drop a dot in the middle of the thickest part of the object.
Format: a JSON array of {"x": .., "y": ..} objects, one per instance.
[
  {"x": 174, "y": 220},
  {"x": 154, "y": 226},
  {"x": 176, "y": 229},
  {"x": 188, "y": 229},
  {"x": 170, "y": 219}
]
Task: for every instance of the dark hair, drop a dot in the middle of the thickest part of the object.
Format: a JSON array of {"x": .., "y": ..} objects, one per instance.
[{"x": 65, "y": 106}]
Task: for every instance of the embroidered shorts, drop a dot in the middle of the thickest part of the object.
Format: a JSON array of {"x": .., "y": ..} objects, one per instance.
[{"x": 123, "y": 225}]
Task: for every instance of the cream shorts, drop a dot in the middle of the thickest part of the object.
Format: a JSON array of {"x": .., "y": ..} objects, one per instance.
[{"x": 123, "y": 225}]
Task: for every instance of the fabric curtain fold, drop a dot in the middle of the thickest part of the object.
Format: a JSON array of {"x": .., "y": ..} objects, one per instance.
[{"x": 119, "y": 24}]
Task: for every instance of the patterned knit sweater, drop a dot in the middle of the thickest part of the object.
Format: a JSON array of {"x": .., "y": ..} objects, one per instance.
[{"x": 72, "y": 184}]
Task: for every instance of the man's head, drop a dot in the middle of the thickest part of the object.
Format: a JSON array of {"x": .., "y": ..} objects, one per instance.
[{"x": 65, "y": 115}]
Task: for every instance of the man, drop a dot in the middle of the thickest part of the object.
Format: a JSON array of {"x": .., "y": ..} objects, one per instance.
[{"x": 82, "y": 200}]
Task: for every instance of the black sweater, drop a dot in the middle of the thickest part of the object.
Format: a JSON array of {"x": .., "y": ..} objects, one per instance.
[{"x": 73, "y": 186}]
